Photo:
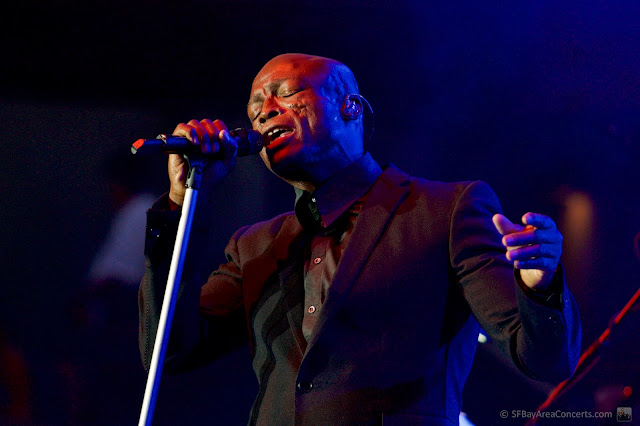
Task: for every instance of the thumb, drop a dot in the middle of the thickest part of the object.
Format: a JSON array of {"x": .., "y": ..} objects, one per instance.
[{"x": 504, "y": 225}]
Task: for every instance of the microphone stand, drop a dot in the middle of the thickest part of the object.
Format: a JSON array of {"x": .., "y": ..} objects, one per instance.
[
  {"x": 587, "y": 360},
  {"x": 591, "y": 356},
  {"x": 196, "y": 163}
]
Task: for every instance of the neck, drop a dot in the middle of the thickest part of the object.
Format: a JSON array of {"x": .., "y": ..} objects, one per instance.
[{"x": 319, "y": 178}]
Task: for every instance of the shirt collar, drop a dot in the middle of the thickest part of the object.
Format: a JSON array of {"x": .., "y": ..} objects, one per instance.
[{"x": 340, "y": 191}]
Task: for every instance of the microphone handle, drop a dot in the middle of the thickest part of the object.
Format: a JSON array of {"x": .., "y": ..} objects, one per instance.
[{"x": 250, "y": 142}]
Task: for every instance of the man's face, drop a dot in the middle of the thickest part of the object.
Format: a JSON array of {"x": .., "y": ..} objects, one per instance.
[{"x": 297, "y": 110}]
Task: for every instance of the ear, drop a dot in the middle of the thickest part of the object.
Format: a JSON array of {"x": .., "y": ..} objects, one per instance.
[{"x": 351, "y": 108}]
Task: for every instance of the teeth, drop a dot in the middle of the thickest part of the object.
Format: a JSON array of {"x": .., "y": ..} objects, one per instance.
[{"x": 276, "y": 132}]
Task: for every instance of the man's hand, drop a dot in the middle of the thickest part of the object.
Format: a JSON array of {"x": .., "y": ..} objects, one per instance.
[
  {"x": 535, "y": 248},
  {"x": 213, "y": 138}
]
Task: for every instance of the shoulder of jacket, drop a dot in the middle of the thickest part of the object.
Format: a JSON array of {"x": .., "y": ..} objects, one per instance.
[
  {"x": 395, "y": 176},
  {"x": 267, "y": 229}
]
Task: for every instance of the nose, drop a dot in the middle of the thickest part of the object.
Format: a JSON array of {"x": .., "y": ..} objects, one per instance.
[{"x": 270, "y": 109}]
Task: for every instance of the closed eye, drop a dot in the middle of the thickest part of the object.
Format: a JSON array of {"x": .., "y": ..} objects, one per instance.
[
  {"x": 286, "y": 92},
  {"x": 287, "y": 95},
  {"x": 284, "y": 95}
]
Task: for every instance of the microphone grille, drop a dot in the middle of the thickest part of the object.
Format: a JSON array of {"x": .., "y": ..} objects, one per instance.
[{"x": 251, "y": 141}]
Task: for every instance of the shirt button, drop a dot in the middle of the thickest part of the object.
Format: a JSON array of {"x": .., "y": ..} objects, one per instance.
[
  {"x": 305, "y": 386},
  {"x": 317, "y": 260},
  {"x": 311, "y": 309},
  {"x": 313, "y": 199}
]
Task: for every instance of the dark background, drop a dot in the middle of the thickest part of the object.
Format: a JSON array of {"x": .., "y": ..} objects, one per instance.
[{"x": 540, "y": 99}]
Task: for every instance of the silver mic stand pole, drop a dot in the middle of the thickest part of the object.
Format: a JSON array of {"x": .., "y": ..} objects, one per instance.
[{"x": 196, "y": 166}]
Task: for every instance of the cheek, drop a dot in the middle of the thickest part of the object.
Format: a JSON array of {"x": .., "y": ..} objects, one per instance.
[
  {"x": 299, "y": 109},
  {"x": 311, "y": 118}
]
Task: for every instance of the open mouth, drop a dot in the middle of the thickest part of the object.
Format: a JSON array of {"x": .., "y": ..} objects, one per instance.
[{"x": 275, "y": 133}]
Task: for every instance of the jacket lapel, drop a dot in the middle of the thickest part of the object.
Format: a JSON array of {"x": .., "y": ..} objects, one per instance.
[
  {"x": 386, "y": 195},
  {"x": 291, "y": 283},
  {"x": 281, "y": 267}
]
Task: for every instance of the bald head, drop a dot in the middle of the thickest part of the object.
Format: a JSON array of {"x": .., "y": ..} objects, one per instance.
[
  {"x": 308, "y": 109},
  {"x": 318, "y": 68}
]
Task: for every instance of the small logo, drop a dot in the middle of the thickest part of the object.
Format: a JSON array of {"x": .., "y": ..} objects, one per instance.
[{"x": 623, "y": 414}]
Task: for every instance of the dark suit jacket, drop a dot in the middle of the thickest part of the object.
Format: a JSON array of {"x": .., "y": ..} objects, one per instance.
[{"x": 398, "y": 331}]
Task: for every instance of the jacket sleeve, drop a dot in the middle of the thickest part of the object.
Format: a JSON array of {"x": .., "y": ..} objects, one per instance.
[
  {"x": 542, "y": 339},
  {"x": 198, "y": 335}
]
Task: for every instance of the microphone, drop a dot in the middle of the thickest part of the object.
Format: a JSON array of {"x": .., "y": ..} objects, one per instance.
[{"x": 250, "y": 143}]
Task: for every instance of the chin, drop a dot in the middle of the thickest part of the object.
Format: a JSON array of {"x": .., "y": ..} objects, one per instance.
[
  {"x": 288, "y": 168},
  {"x": 291, "y": 171}
]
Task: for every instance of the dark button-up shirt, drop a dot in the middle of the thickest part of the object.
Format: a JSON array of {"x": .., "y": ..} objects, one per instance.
[{"x": 328, "y": 216}]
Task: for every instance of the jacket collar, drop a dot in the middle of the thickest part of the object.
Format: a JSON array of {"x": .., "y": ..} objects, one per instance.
[{"x": 331, "y": 199}]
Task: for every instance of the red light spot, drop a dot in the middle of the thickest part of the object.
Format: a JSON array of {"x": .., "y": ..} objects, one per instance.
[
  {"x": 627, "y": 391},
  {"x": 137, "y": 144}
]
